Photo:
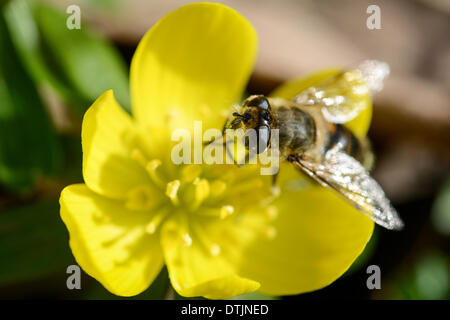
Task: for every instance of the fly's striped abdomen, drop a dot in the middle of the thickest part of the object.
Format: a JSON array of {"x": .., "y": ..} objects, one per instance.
[{"x": 347, "y": 141}]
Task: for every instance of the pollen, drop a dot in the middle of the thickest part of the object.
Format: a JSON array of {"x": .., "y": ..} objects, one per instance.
[
  {"x": 172, "y": 191},
  {"x": 150, "y": 228},
  {"x": 152, "y": 165},
  {"x": 187, "y": 240},
  {"x": 151, "y": 168},
  {"x": 155, "y": 222},
  {"x": 226, "y": 211}
]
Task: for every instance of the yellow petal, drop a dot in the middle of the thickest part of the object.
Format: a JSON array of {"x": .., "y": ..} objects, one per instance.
[
  {"x": 196, "y": 266},
  {"x": 288, "y": 90},
  {"x": 316, "y": 237},
  {"x": 109, "y": 242},
  {"x": 194, "y": 62},
  {"x": 108, "y": 141}
]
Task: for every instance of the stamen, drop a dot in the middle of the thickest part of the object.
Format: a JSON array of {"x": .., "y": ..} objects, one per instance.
[
  {"x": 187, "y": 239},
  {"x": 151, "y": 170},
  {"x": 155, "y": 222},
  {"x": 172, "y": 190},
  {"x": 226, "y": 211}
]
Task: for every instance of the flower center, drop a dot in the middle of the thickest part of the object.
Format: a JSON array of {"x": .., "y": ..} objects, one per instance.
[{"x": 201, "y": 193}]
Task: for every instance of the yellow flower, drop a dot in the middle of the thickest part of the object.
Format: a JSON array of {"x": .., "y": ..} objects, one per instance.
[{"x": 217, "y": 227}]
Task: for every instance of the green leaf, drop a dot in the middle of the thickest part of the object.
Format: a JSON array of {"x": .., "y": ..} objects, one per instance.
[
  {"x": 89, "y": 62},
  {"x": 78, "y": 64},
  {"x": 432, "y": 277},
  {"x": 28, "y": 145},
  {"x": 440, "y": 214},
  {"x": 427, "y": 279},
  {"x": 27, "y": 41},
  {"x": 255, "y": 296},
  {"x": 33, "y": 242}
]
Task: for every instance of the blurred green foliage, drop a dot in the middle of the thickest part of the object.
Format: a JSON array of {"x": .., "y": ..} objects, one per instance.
[
  {"x": 428, "y": 279},
  {"x": 28, "y": 144},
  {"x": 40, "y": 56},
  {"x": 79, "y": 64},
  {"x": 33, "y": 242},
  {"x": 39, "y": 51},
  {"x": 441, "y": 210}
]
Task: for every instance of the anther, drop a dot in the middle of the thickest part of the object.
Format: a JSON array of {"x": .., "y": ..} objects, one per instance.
[
  {"x": 151, "y": 170},
  {"x": 226, "y": 211},
  {"x": 155, "y": 222},
  {"x": 172, "y": 190},
  {"x": 187, "y": 239}
]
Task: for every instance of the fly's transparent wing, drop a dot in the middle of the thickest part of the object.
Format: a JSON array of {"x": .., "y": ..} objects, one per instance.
[
  {"x": 345, "y": 95},
  {"x": 342, "y": 173}
]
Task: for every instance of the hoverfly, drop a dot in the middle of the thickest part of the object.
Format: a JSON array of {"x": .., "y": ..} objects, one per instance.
[{"x": 312, "y": 137}]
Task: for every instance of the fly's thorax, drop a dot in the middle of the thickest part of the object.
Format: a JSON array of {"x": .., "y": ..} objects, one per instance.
[{"x": 297, "y": 128}]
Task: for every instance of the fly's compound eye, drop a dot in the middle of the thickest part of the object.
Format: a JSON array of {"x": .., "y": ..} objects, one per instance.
[{"x": 265, "y": 116}]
